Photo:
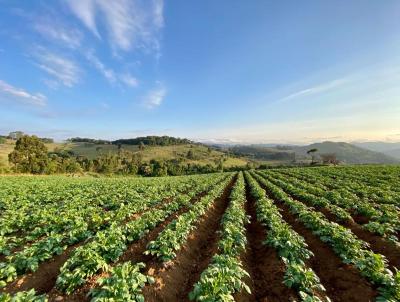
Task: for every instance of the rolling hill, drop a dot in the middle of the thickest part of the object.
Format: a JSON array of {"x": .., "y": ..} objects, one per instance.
[
  {"x": 232, "y": 156},
  {"x": 345, "y": 153},
  {"x": 390, "y": 149},
  {"x": 202, "y": 155}
]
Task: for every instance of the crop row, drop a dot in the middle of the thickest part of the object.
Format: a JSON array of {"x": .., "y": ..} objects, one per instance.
[
  {"x": 32, "y": 221},
  {"x": 176, "y": 233},
  {"x": 383, "y": 219},
  {"x": 29, "y": 258},
  {"x": 344, "y": 243},
  {"x": 108, "y": 245},
  {"x": 225, "y": 274},
  {"x": 365, "y": 185},
  {"x": 291, "y": 247},
  {"x": 126, "y": 280}
]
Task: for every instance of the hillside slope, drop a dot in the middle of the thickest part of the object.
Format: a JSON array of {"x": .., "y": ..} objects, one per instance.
[
  {"x": 202, "y": 155},
  {"x": 347, "y": 153},
  {"x": 390, "y": 149}
]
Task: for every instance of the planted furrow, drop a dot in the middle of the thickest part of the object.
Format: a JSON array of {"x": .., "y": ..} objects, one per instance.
[
  {"x": 263, "y": 264},
  {"x": 347, "y": 246},
  {"x": 175, "y": 277},
  {"x": 134, "y": 253},
  {"x": 108, "y": 246},
  {"x": 225, "y": 276},
  {"x": 382, "y": 220},
  {"x": 377, "y": 244},
  {"x": 44, "y": 278}
]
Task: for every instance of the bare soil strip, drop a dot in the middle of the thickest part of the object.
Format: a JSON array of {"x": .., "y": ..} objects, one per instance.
[
  {"x": 376, "y": 242},
  {"x": 360, "y": 219},
  {"x": 133, "y": 253},
  {"x": 263, "y": 264},
  {"x": 175, "y": 280},
  {"x": 343, "y": 282},
  {"x": 43, "y": 280}
]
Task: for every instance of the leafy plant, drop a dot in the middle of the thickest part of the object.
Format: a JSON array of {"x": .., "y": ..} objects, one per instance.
[{"x": 125, "y": 283}]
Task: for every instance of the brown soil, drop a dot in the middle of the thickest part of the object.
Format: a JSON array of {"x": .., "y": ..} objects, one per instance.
[
  {"x": 360, "y": 219},
  {"x": 44, "y": 278},
  {"x": 175, "y": 280},
  {"x": 263, "y": 264},
  {"x": 377, "y": 243},
  {"x": 133, "y": 253},
  {"x": 343, "y": 282}
]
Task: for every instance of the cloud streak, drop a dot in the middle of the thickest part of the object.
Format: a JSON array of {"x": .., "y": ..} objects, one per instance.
[
  {"x": 155, "y": 97},
  {"x": 129, "y": 80},
  {"x": 20, "y": 96},
  {"x": 314, "y": 90},
  {"x": 130, "y": 24},
  {"x": 108, "y": 73},
  {"x": 51, "y": 30},
  {"x": 111, "y": 76},
  {"x": 62, "y": 70},
  {"x": 85, "y": 11}
]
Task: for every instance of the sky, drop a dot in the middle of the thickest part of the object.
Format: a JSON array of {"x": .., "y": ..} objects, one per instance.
[{"x": 257, "y": 71}]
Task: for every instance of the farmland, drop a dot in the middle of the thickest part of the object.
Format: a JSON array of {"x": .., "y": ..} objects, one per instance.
[{"x": 299, "y": 234}]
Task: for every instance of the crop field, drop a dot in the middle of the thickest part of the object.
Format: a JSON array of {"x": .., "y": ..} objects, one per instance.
[{"x": 295, "y": 234}]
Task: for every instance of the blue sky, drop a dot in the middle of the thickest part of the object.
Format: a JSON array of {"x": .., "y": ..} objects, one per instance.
[{"x": 225, "y": 71}]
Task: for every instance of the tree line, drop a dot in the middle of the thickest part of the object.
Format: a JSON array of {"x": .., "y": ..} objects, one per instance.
[
  {"x": 145, "y": 140},
  {"x": 31, "y": 155}
]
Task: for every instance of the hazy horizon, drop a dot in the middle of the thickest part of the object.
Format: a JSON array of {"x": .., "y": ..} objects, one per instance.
[{"x": 243, "y": 72}]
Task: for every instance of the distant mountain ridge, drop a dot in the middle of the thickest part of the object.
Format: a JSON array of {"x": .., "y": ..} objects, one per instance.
[
  {"x": 348, "y": 153},
  {"x": 345, "y": 152},
  {"x": 390, "y": 149}
]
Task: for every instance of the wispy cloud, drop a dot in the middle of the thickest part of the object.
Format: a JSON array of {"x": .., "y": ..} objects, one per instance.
[
  {"x": 62, "y": 70},
  {"x": 108, "y": 73},
  {"x": 155, "y": 97},
  {"x": 19, "y": 95},
  {"x": 55, "y": 31},
  {"x": 112, "y": 76},
  {"x": 315, "y": 90},
  {"x": 85, "y": 10},
  {"x": 130, "y": 24},
  {"x": 129, "y": 80}
]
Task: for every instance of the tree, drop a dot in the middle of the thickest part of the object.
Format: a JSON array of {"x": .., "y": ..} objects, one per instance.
[
  {"x": 16, "y": 135},
  {"x": 190, "y": 155},
  {"x": 29, "y": 155},
  {"x": 220, "y": 167},
  {"x": 329, "y": 158},
  {"x": 141, "y": 146},
  {"x": 312, "y": 153},
  {"x": 158, "y": 168}
]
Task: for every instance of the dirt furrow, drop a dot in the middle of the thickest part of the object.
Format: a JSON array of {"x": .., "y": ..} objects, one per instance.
[
  {"x": 343, "y": 282},
  {"x": 377, "y": 243},
  {"x": 175, "y": 280},
  {"x": 263, "y": 264},
  {"x": 133, "y": 253},
  {"x": 43, "y": 280}
]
